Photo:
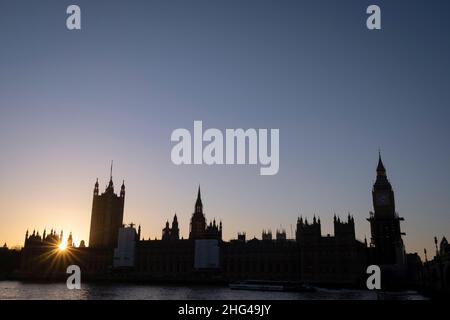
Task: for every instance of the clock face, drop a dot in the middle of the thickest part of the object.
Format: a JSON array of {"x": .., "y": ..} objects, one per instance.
[{"x": 382, "y": 199}]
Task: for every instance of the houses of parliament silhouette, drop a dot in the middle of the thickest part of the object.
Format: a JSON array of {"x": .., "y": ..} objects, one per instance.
[{"x": 118, "y": 252}]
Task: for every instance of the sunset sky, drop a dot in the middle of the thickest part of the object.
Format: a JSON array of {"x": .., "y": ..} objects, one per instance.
[{"x": 72, "y": 101}]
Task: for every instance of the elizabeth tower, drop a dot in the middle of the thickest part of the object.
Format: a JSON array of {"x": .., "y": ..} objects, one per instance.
[{"x": 385, "y": 222}]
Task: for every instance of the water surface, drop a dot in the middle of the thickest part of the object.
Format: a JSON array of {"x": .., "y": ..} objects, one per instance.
[{"x": 88, "y": 291}]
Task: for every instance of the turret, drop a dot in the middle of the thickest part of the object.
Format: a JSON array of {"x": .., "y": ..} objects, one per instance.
[
  {"x": 96, "y": 188},
  {"x": 344, "y": 231},
  {"x": 110, "y": 187},
  {"x": 175, "y": 232},
  {"x": 198, "y": 203},
  {"x": 308, "y": 233},
  {"x": 26, "y": 239},
  {"x": 166, "y": 231},
  {"x": 70, "y": 240},
  {"x": 122, "y": 190}
]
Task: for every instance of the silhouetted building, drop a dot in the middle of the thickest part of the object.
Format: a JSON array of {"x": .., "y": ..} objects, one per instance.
[
  {"x": 385, "y": 222},
  {"x": 281, "y": 235},
  {"x": 107, "y": 216},
  {"x": 261, "y": 260},
  {"x": 9, "y": 261},
  {"x": 241, "y": 236},
  {"x": 199, "y": 228},
  {"x": 266, "y": 235},
  {"x": 340, "y": 259},
  {"x": 46, "y": 257},
  {"x": 171, "y": 233},
  {"x": 436, "y": 273},
  {"x": 331, "y": 259}
]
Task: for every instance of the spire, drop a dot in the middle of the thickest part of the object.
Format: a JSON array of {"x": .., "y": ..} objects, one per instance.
[
  {"x": 436, "y": 244},
  {"x": 381, "y": 171},
  {"x": 198, "y": 203},
  {"x": 96, "y": 188},
  {"x": 122, "y": 189},
  {"x": 111, "y": 184}
]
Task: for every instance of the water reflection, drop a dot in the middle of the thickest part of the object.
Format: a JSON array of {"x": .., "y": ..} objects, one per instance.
[{"x": 54, "y": 291}]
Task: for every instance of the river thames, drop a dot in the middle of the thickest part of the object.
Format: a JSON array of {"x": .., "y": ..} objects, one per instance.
[{"x": 57, "y": 291}]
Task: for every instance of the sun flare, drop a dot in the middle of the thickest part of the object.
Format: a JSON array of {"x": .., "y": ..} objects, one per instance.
[{"x": 62, "y": 246}]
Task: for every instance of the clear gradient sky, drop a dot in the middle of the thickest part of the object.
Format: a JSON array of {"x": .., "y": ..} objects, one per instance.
[{"x": 70, "y": 101}]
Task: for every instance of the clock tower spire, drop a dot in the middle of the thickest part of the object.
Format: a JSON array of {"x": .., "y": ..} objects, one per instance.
[
  {"x": 382, "y": 193},
  {"x": 381, "y": 171}
]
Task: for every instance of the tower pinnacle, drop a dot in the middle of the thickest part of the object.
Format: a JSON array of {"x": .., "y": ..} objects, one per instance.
[
  {"x": 111, "y": 184},
  {"x": 110, "y": 175},
  {"x": 381, "y": 171},
  {"x": 198, "y": 203}
]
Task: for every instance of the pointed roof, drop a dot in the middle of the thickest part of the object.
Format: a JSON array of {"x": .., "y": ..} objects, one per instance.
[
  {"x": 199, "y": 198},
  {"x": 110, "y": 186},
  {"x": 380, "y": 167}
]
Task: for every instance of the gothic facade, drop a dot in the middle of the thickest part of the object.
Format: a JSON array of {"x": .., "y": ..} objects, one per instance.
[{"x": 338, "y": 259}]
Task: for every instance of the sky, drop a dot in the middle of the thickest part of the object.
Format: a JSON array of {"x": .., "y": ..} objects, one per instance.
[{"x": 72, "y": 101}]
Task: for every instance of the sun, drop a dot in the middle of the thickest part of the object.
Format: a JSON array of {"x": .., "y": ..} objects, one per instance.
[{"x": 62, "y": 246}]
